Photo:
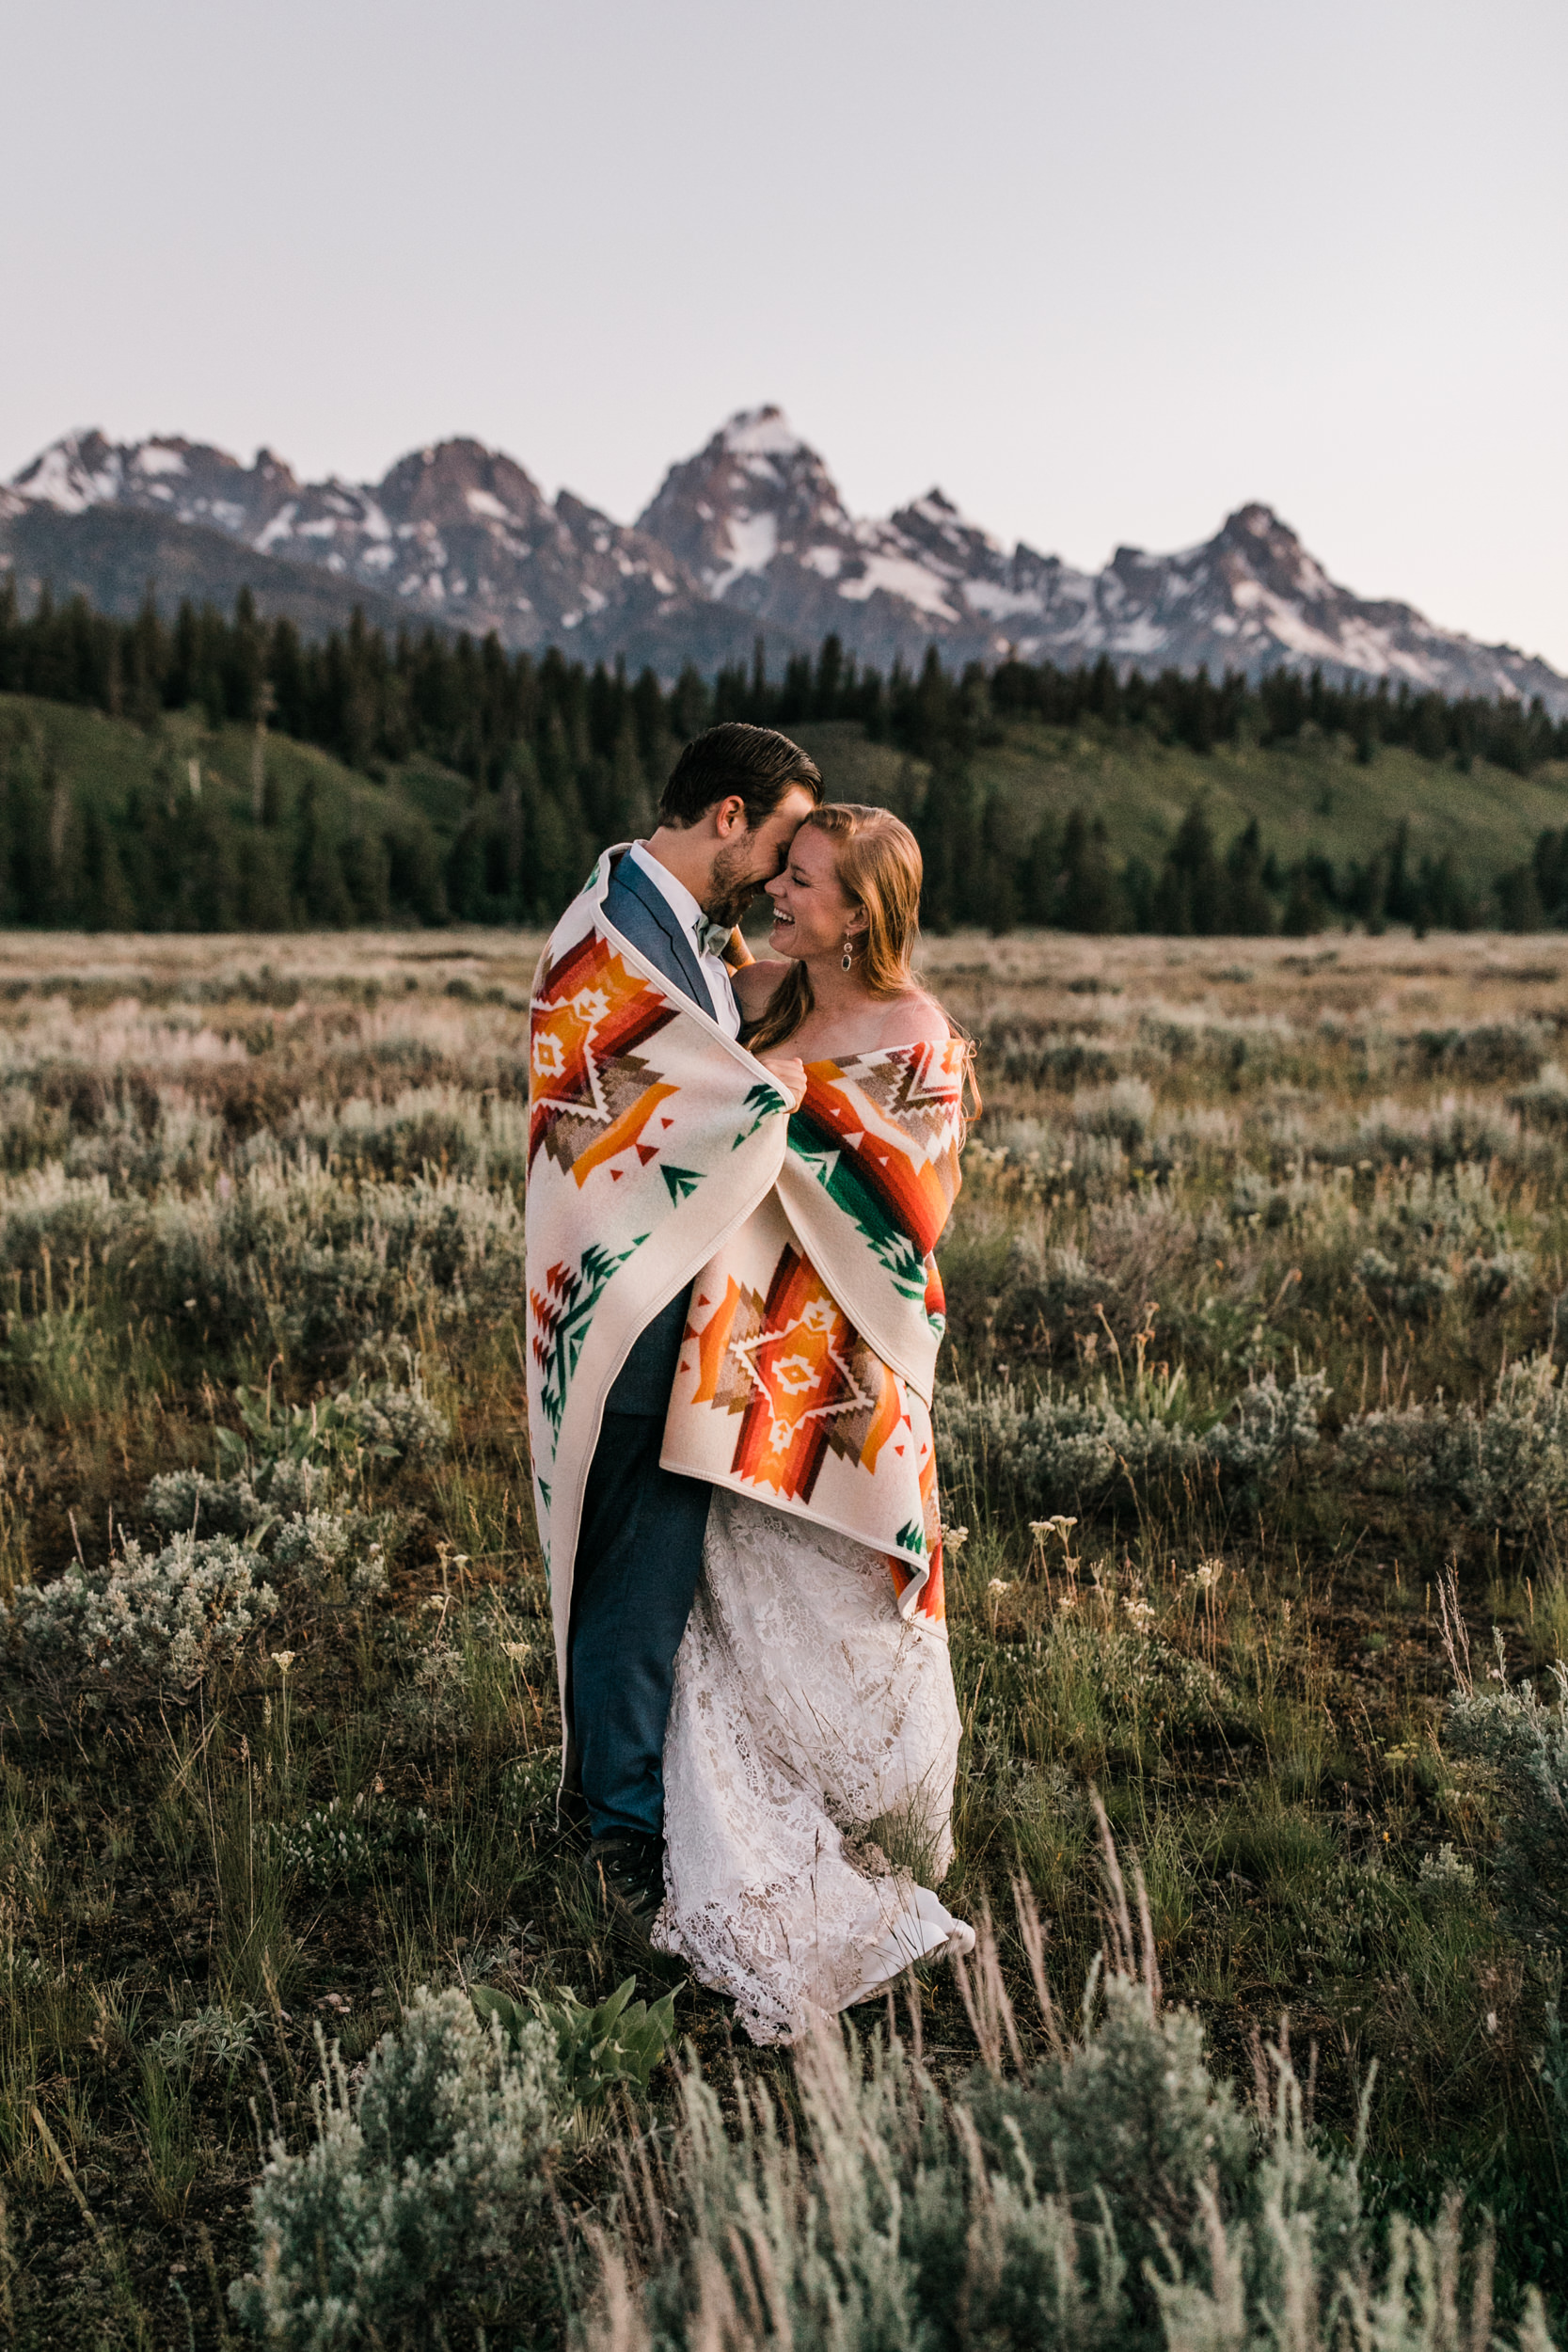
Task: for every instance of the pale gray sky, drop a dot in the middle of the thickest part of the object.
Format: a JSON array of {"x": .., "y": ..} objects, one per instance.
[{"x": 1103, "y": 271}]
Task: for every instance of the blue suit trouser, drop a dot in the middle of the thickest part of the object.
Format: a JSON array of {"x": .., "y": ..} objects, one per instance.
[{"x": 639, "y": 1553}]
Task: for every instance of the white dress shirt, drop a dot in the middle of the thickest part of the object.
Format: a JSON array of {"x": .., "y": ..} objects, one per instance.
[{"x": 693, "y": 922}]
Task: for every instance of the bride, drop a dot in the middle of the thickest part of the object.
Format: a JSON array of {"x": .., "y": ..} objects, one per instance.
[{"x": 813, "y": 1738}]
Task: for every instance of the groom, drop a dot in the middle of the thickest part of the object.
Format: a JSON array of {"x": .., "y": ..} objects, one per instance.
[{"x": 725, "y": 822}]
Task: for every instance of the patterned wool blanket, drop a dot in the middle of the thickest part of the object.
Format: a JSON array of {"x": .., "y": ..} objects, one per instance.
[
  {"x": 652, "y": 1137},
  {"x": 813, "y": 1332},
  {"x": 659, "y": 1151}
]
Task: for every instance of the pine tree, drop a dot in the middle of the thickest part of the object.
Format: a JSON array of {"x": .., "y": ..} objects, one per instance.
[
  {"x": 12, "y": 639},
  {"x": 367, "y": 867},
  {"x": 947, "y": 832},
  {"x": 558, "y": 856},
  {"x": 829, "y": 679},
  {"x": 1188, "y": 896},
  {"x": 631, "y": 807},
  {"x": 62, "y": 877},
  {"x": 1105, "y": 692},
  {"x": 320, "y": 890},
  {"x": 1088, "y": 897},
  {"x": 262, "y": 889},
  {"x": 1248, "y": 910},
  {"x": 1041, "y": 870},
  {"x": 1303, "y": 908},
  {"x": 416, "y": 884},
  {"x": 1549, "y": 864},
  {"x": 1400, "y": 898},
  {"x": 106, "y": 901}
]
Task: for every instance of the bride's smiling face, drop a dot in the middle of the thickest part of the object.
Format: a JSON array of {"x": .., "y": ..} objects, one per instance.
[{"x": 812, "y": 909}]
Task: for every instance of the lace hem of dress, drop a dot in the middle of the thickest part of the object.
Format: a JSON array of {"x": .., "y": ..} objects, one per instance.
[{"x": 804, "y": 1705}]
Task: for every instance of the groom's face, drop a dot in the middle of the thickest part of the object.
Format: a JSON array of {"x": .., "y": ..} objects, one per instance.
[{"x": 746, "y": 859}]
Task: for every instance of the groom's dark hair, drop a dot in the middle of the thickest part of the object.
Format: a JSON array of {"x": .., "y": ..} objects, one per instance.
[{"x": 759, "y": 763}]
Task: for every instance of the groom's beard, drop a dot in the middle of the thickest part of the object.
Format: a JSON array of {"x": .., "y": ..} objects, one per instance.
[{"x": 731, "y": 889}]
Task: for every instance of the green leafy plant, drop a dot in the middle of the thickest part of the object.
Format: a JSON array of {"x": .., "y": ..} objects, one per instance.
[{"x": 622, "y": 2040}]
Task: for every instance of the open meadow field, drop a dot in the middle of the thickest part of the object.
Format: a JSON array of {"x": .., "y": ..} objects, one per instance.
[{"x": 1253, "y": 1443}]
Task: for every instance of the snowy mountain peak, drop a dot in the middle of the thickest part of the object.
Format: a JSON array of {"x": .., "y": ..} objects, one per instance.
[
  {"x": 749, "y": 535},
  {"x": 455, "y": 481},
  {"x": 756, "y": 507},
  {"x": 761, "y": 433},
  {"x": 79, "y": 471}
]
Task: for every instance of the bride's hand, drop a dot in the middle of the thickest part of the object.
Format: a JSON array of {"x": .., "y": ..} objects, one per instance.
[{"x": 788, "y": 1074}]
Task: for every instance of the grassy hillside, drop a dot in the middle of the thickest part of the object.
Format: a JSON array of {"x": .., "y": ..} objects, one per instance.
[
  {"x": 1309, "y": 797},
  {"x": 107, "y": 824}
]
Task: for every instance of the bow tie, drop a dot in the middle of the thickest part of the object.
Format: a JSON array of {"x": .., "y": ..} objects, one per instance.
[{"x": 712, "y": 938}]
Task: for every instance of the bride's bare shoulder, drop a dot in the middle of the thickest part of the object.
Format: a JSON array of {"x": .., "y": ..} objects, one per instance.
[
  {"x": 915, "y": 1018},
  {"x": 754, "y": 984}
]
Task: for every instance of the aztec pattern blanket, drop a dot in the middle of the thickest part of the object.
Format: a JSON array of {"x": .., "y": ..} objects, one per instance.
[
  {"x": 813, "y": 1332},
  {"x": 659, "y": 1150},
  {"x": 652, "y": 1137}
]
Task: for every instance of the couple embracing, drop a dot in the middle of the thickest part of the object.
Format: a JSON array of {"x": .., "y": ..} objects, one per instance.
[{"x": 739, "y": 1171}]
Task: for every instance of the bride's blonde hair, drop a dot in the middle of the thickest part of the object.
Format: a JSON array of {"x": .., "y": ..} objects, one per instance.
[
  {"x": 876, "y": 859},
  {"x": 878, "y": 866}
]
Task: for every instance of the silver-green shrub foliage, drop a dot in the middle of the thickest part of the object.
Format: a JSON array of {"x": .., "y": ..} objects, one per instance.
[
  {"x": 413, "y": 2182},
  {"x": 328, "y": 1550},
  {"x": 1116, "y": 2199},
  {"x": 1045, "y": 1448},
  {"x": 1505, "y": 1466},
  {"x": 167, "y": 1618},
  {"x": 1441, "y": 1234},
  {"x": 1521, "y": 1743},
  {"x": 188, "y": 1502}
]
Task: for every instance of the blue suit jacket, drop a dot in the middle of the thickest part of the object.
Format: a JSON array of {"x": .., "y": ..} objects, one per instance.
[
  {"x": 641, "y": 913},
  {"x": 638, "y": 910}
]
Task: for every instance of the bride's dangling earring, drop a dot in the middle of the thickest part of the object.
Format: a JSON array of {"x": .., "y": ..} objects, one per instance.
[{"x": 849, "y": 952}]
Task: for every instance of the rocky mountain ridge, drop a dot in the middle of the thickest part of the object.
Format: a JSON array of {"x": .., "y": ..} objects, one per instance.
[{"x": 748, "y": 537}]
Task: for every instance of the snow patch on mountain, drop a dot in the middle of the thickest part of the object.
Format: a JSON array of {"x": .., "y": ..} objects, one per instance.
[{"x": 750, "y": 536}]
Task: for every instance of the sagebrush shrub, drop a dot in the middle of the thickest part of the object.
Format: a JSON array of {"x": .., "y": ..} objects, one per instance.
[
  {"x": 1544, "y": 1103},
  {"x": 382, "y": 1421},
  {"x": 1441, "y": 1137},
  {"x": 341, "y": 1845},
  {"x": 166, "y": 1618},
  {"x": 1504, "y": 1467},
  {"x": 411, "y": 2185},
  {"x": 1437, "y": 1236},
  {"x": 1040, "y": 1448},
  {"x": 334, "y": 1554},
  {"x": 1114, "y": 2199},
  {"x": 1491, "y": 1049},
  {"x": 320, "y": 1264},
  {"x": 1521, "y": 1744},
  {"x": 1124, "y": 1109},
  {"x": 331, "y": 1550},
  {"x": 188, "y": 1501},
  {"x": 214, "y": 2035},
  {"x": 435, "y": 1707}
]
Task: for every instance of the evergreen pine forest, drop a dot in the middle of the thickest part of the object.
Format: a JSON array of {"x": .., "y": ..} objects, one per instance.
[
  {"x": 250, "y": 780},
  {"x": 1254, "y": 1448}
]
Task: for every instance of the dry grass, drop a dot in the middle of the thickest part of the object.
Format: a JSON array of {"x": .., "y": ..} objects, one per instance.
[{"x": 294, "y": 1166}]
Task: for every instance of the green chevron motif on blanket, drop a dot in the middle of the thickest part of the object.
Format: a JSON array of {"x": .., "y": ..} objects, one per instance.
[
  {"x": 762, "y": 1101},
  {"x": 564, "y": 1317},
  {"x": 841, "y": 1180},
  {"x": 683, "y": 1182},
  {"x": 911, "y": 1537}
]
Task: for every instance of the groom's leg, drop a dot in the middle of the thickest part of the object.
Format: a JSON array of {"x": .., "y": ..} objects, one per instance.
[{"x": 639, "y": 1556}]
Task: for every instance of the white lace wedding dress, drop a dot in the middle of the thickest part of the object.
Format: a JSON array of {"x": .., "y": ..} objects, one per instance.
[{"x": 806, "y": 1710}]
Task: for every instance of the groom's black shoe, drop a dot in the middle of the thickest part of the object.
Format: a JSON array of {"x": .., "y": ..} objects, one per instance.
[{"x": 626, "y": 1872}]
